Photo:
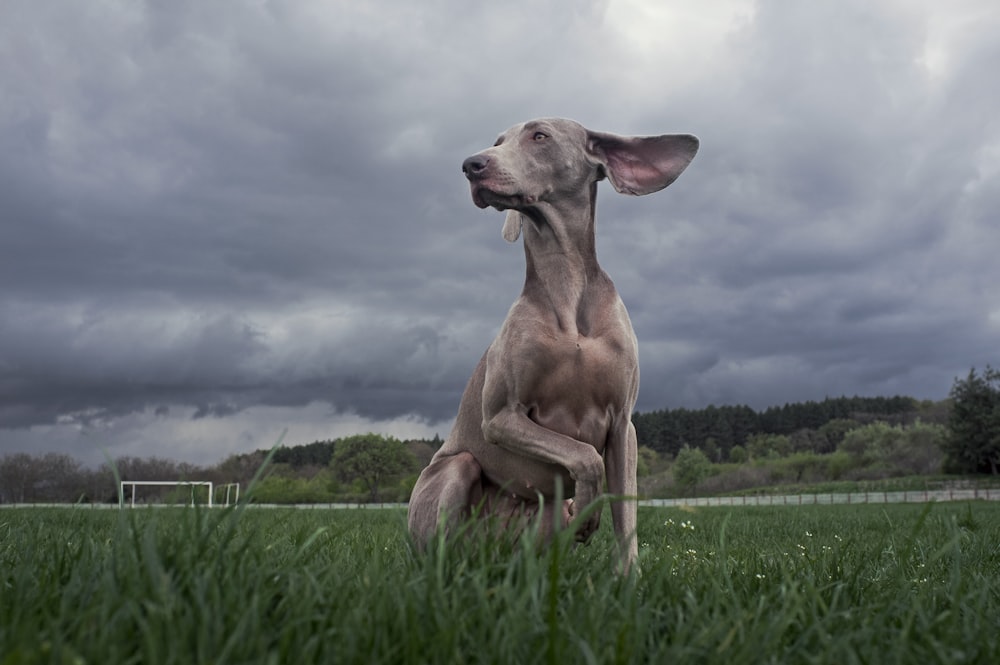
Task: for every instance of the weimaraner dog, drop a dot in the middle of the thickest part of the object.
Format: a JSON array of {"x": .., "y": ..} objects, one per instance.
[{"x": 549, "y": 405}]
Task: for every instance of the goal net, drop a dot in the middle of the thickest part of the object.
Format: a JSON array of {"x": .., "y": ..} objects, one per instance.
[
  {"x": 229, "y": 492},
  {"x": 195, "y": 496}
]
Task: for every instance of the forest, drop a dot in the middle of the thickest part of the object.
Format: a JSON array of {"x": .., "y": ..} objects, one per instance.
[
  {"x": 715, "y": 450},
  {"x": 716, "y": 430}
]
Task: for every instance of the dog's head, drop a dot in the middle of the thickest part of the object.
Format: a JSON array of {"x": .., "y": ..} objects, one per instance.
[{"x": 554, "y": 159}]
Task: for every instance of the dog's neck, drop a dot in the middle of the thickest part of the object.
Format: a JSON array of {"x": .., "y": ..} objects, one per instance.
[{"x": 561, "y": 260}]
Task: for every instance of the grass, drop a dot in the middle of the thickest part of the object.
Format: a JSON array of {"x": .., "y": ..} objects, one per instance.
[{"x": 818, "y": 584}]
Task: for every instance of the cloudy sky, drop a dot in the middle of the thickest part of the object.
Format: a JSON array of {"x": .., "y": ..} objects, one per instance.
[{"x": 219, "y": 220}]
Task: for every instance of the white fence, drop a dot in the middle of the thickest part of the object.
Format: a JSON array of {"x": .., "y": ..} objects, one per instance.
[{"x": 910, "y": 496}]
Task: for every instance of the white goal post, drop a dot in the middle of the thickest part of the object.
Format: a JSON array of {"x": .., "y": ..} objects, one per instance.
[
  {"x": 176, "y": 483},
  {"x": 230, "y": 489}
]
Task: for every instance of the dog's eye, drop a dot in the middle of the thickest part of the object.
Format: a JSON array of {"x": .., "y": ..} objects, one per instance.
[
  {"x": 540, "y": 136},
  {"x": 498, "y": 142}
]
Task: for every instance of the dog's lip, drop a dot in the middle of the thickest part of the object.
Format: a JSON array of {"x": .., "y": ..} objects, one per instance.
[
  {"x": 477, "y": 196},
  {"x": 485, "y": 197}
]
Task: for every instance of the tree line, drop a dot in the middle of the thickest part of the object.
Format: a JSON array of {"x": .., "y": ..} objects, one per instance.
[
  {"x": 967, "y": 422},
  {"x": 364, "y": 467},
  {"x": 716, "y": 430},
  {"x": 855, "y": 439},
  {"x": 812, "y": 440}
]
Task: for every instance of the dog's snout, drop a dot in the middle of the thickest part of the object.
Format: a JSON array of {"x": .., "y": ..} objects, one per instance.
[{"x": 474, "y": 166}]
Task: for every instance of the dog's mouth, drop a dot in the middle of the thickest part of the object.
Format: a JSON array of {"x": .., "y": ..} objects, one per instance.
[
  {"x": 480, "y": 196},
  {"x": 484, "y": 197}
]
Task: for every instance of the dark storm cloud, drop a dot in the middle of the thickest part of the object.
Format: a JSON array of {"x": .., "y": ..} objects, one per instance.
[
  {"x": 829, "y": 263},
  {"x": 215, "y": 207}
]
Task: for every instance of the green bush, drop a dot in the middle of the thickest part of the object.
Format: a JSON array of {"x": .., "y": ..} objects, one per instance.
[
  {"x": 764, "y": 446},
  {"x": 691, "y": 467},
  {"x": 895, "y": 450}
]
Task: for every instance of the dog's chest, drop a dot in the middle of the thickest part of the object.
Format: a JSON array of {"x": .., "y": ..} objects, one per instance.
[
  {"x": 575, "y": 374},
  {"x": 575, "y": 386}
]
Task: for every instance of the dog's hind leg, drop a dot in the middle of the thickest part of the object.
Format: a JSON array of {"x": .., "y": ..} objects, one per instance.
[{"x": 446, "y": 491}]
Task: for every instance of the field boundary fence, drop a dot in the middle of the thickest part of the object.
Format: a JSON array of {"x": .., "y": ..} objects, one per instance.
[
  {"x": 846, "y": 498},
  {"x": 903, "y": 496}
]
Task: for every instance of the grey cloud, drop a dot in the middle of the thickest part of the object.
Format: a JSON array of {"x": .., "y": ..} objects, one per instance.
[{"x": 213, "y": 208}]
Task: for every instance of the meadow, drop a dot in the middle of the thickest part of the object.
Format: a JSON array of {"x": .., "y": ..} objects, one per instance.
[{"x": 814, "y": 584}]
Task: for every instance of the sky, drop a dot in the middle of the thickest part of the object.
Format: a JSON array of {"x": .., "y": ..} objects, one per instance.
[{"x": 221, "y": 221}]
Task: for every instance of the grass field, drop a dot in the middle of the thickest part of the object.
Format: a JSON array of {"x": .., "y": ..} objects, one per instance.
[{"x": 818, "y": 584}]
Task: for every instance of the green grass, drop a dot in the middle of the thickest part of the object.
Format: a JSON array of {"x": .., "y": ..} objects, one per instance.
[{"x": 817, "y": 584}]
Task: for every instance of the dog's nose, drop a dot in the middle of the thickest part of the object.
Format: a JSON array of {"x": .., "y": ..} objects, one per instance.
[{"x": 474, "y": 166}]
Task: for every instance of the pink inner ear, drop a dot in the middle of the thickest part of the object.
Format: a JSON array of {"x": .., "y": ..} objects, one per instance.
[
  {"x": 642, "y": 165},
  {"x": 635, "y": 177}
]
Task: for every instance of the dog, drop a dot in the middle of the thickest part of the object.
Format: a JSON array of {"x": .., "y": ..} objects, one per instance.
[{"x": 547, "y": 411}]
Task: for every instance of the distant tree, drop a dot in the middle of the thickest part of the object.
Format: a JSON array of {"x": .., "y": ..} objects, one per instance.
[
  {"x": 239, "y": 468},
  {"x": 834, "y": 432},
  {"x": 877, "y": 442},
  {"x": 802, "y": 467},
  {"x": 99, "y": 485},
  {"x": 712, "y": 450},
  {"x": 895, "y": 449},
  {"x": 290, "y": 490},
  {"x": 60, "y": 478},
  {"x": 691, "y": 467},
  {"x": 51, "y": 478},
  {"x": 372, "y": 458},
  {"x": 743, "y": 422},
  {"x": 646, "y": 461},
  {"x": 317, "y": 453},
  {"x": 762, "y": 446},
  {"x": 922, "y": 448},
  {"x": 974, "y": 442},
  {"x": 149, "y": 468},
  {"x": 423, "y": 450},
  {"x": 737, "y": 454},
  {"x": 18, "y": 474},
  {"x": 934, "y": 413},
  {"x": 807, "y": 441}
]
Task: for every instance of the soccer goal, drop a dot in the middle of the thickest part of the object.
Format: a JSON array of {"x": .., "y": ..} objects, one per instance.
[
  {"x": 232, "y": 492},
  {"x": 162, "y": 483}
]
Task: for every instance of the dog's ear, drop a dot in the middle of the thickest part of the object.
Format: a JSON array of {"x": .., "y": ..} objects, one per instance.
[
  {"x": 642, "y": 164},
  {"x": 512, "y": 226}
]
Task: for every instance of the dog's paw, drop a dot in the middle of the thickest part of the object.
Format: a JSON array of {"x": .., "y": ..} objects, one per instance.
[{"x": 584, "y": 522}]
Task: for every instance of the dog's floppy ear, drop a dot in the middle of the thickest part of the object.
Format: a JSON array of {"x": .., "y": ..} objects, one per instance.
[
  {"x": 642, "y": 164},
  {"x": 512, "y": 226}
]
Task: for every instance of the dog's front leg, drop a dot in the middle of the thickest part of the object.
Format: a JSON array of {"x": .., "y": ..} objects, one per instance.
[
  {"x": 620, "y": 457},
  {"x": 512, "y": 429}
]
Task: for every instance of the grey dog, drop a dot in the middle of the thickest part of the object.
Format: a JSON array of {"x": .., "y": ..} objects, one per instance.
[{"x": 549, "y": 405}]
